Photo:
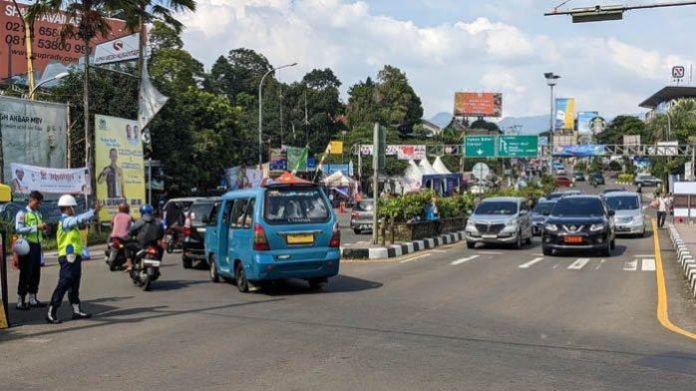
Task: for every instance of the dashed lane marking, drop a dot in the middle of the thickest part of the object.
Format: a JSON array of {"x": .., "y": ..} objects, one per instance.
[
  {"x": 631, "y": 266},
  {"x": 531, "y": 263},
  {"x": 601, "y": 262},
  {"x": 648, "y": 265},
  {"x": 579, "y": 264},
  {"x": 490, "y": 253},
  {"x": 463, "y": 260}
]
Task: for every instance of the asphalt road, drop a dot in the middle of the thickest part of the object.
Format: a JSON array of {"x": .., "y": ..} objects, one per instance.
[{"x": 450, "y": 318}]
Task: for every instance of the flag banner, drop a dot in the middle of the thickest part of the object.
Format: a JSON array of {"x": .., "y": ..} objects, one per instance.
[
  {"x": 150, "y": 101},
  {"x": 297, "y": 158},
  {"x": 26, "y": 179},
  {"x": 119, "y": 165}
]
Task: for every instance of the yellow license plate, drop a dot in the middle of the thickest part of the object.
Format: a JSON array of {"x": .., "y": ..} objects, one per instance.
[{"x": 301, "y": 239}]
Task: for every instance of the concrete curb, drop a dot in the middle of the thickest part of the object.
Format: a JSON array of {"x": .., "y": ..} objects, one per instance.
[
  {"x": 684, "y": 257},
  {"x": 398, "y": 250}
]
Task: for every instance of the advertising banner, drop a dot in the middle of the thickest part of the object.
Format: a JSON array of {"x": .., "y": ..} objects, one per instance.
[
  {"x": 297, "y": 158},
  {"x": 119, "y": 164},
  {"x": 565, "y": 113},
  {"x": 411, "y": 152},
  {"x": 336, "y": 147},
  {"x": 478, "y": 104},
  {"x": 243, "y": 178},
  {"x": 26, "y": 179},
  {"x": 47, "y": 45},
  {"x": 33, "y": 133},
  {"x": 120, "y": 49},
  {"x": 584, "y": 119}
]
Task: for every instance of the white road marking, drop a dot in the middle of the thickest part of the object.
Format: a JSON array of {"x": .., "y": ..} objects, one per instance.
[
  {"x": 490, "y": 253},
  {"x": 643, "y": 255},
  {"x": 579, "y": 264},
  {"x": 556, "y": 266},
  {"x": 537, "y": 254},
  {"x": 631, "y": 266},
  {"x": 416, "y": 257},
  {"x": 529, "y": 264},
  {"x": 460, "y": 261},
  {"x": 648, "y": 265},
  {"x": 600, "y": 264}
]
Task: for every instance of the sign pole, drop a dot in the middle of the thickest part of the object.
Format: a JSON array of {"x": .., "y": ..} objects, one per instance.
[{"x": 376, "y": 150}]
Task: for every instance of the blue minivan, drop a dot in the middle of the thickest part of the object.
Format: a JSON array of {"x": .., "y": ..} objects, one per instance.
[{"x": 285, "y": 229}]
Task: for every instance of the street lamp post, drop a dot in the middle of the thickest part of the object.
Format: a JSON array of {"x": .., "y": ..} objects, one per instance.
[
  {"x": 551, "y": 80},
  {"x": 54, "y": 78},
  {"x": 261, "y": 108}
]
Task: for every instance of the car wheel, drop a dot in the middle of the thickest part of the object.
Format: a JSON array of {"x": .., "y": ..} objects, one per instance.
[
  {"x": 546, "y": 250},
  {"x": 612, "y": 244},
  {"x": 528, "y": 242},
  {"x": 357, "y": 231},
  {"x": 186, "y": 262},
  {"x": 317, "y": 284},
  {"x": 518, "y": 244},
  {"x": 606, "y": 251},
  {"x": 214, "y": 276},
  {"x": 240, "y": 276},
  {"x": 470, "y": 244}
]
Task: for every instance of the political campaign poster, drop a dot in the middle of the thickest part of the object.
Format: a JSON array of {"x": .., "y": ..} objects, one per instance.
[
  {"x": 119, "y": 164},
  {"x": 33, "y": 133},
  {"x": 243, "y": 178},
  {"x": 26, "y": 178}
]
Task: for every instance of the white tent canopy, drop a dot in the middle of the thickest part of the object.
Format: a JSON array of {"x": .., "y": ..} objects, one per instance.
[
  {"x": 440, "y": 167},
  {"x": 338, "y": 179},
  {"x": 426, "y": 168}
]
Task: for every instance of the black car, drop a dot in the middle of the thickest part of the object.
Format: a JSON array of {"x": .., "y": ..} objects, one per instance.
[
  {"x": 194, "y": 230},
  {"x": 579, "y": 177},
  {"x": 596, "y": 179},
  {"x": 646, "y": 180},
  {"x": 579, "y": 223}
]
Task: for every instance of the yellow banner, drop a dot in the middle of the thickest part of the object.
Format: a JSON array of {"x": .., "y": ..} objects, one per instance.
[
  {"x": 336, "y": 147},
  {"x": 119, "y": 165}
]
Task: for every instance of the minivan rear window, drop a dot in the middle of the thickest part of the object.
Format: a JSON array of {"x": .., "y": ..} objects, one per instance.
[{"x": 295, "y": 206}]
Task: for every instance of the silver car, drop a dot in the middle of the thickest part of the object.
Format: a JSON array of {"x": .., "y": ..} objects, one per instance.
[
  {"x": 500, "y": 220},
  {"x": 630, "y": 217}
]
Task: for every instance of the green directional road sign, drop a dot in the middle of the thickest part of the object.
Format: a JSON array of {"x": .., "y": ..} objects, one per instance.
[
  {"x": 479, "y": 146},
  {"x": 518, "y": 146}
]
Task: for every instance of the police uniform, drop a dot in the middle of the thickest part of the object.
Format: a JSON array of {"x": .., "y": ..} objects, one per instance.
[
  {"x": 70, "y": 246},
  {"x": 26, "y": 226}
]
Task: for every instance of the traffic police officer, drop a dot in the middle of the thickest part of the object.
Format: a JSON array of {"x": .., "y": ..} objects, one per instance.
[
  {"x": 70, "y": 246},
  {"x": 29, "y": 225}
]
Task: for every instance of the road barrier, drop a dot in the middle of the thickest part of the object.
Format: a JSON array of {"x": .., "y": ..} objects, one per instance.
[{"x": 685, "y": 259}]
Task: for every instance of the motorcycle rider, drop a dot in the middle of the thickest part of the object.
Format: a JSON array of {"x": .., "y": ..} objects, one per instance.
[
  {"x": 147, "y": 231},
  {"x": 119, "y": 229}
]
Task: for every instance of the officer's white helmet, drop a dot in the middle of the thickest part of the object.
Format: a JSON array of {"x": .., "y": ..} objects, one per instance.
[
  {"x": 21, "y": 247},
  {"x": 67, "y": 200}
]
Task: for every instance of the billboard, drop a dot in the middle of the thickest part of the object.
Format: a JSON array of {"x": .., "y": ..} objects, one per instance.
[
  {"x": 47, "y": 46},
  {"x": 119, "y": 164},
  {"x": 478, "y": 104},
  {"x": 584, "y": 119},
  {"x": 565, "y": 114},
  {"x": 120, "y": 49},
  {"x": 33, "y": 133}
]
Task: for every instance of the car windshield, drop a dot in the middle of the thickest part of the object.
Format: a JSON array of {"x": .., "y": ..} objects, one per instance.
[
  {"x": 198, "y": 211},
  {"x": 576, "y": 207},
  {"x": 365, "y": 206},
  {"x": 543, "y": 207},
  {"x": 496, "y": 208},
  {"x": 295, "y": 206},
  {"x": 628, "y": 202}
]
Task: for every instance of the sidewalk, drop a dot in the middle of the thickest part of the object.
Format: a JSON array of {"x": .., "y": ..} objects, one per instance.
[{"x": 371, "y": 251}]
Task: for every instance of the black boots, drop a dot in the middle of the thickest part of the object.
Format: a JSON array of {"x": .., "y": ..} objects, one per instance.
[
  {"x": 78, "y": 314},
  {"x": 52, "y": 316}
]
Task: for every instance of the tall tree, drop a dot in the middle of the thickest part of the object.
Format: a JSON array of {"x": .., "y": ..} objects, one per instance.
[
  {"x": 399, "y": 106},
  {"x": 362, "y": 104},
  {"x": 624, "y": 125}
]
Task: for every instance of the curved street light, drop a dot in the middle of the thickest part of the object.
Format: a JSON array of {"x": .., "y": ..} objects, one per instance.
[
  {"x": 54, "y": 78},
  {"x": 261, "y": 107}
]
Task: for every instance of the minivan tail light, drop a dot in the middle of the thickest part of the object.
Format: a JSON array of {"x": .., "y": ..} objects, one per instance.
[
  {"x": 335, "y": 241},
  {"x": 260, "y": 239}
]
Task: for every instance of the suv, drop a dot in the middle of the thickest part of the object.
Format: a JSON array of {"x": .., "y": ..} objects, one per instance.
[
  {"x": 646, "y": 180},
  {"x": 500, "y": 220},
  {"x": 361, "y": 218},
  {"x": 596, "y": 179},
  {"x": 197, "y": 215},
  {"x": 579, "y": 223}
]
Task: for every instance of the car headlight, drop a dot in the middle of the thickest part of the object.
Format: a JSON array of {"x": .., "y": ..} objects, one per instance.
[
  {"x": 470, "y": 226},
  {"x": 596, "y": 227},
  {"x": 511, "y": 223},
  {"x": 551, "y": 227}
]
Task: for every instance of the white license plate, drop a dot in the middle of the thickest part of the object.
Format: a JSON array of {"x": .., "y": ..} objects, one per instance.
[
  {"x": 151, "y": 262},
  {"x": 489, "y": 236}
]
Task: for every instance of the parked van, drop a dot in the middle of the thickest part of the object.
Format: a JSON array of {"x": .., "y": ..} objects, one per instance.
[{"x": 285, "y": 229}]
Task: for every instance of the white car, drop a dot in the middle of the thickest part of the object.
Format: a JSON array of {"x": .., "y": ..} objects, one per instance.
[{"x": 630, "y": 217}]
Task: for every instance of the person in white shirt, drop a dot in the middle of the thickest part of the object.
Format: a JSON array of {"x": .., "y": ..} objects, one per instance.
[{"x": 662, "y": 208}]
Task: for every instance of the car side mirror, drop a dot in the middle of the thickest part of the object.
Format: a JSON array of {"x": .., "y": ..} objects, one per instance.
[
  {"x": 469, "y": 211},
  {"x": 611, "y": 213}
]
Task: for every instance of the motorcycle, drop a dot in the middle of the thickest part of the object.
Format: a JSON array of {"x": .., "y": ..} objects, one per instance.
[
  {"x": 146, "y": 266},
  {"x": 174, "y": 240},
  {"x": 116, "y": 254}
]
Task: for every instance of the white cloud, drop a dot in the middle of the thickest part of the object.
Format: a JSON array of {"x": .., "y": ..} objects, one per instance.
[{"x": 470, "y": 54}]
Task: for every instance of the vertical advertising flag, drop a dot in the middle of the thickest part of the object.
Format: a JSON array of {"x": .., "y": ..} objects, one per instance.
[
  {"x": 565, "y": 114},
  {"x": 119, "y": 164},
  {"x": 584, "y": 119}
]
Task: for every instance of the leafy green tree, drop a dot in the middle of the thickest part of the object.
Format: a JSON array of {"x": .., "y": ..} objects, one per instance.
[
  {"x": 163, "y": 36},
  {"x": 485, "y": 125},
  {"x": 399, "y": 106},
  {"x": 362, "y": 108},
  {"x": 621, "y": 126}
]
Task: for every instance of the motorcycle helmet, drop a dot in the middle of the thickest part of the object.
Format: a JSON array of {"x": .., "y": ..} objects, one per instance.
[
  {"x": 147, "y": 209},
  {"x": 21, "y": 247}
]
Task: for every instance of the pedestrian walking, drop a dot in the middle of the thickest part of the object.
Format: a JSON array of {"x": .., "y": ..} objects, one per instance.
[
  {"x": 29, "y": 226},
  {"x": 662, "y": 202},
  {"x": 70, "y": 246}
]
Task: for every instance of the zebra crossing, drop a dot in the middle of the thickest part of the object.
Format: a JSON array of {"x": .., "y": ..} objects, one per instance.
[{"x": 642, "y": 264}]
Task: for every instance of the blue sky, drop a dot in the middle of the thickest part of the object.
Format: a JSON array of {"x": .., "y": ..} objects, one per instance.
[{"x": 451, "y": 45}]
